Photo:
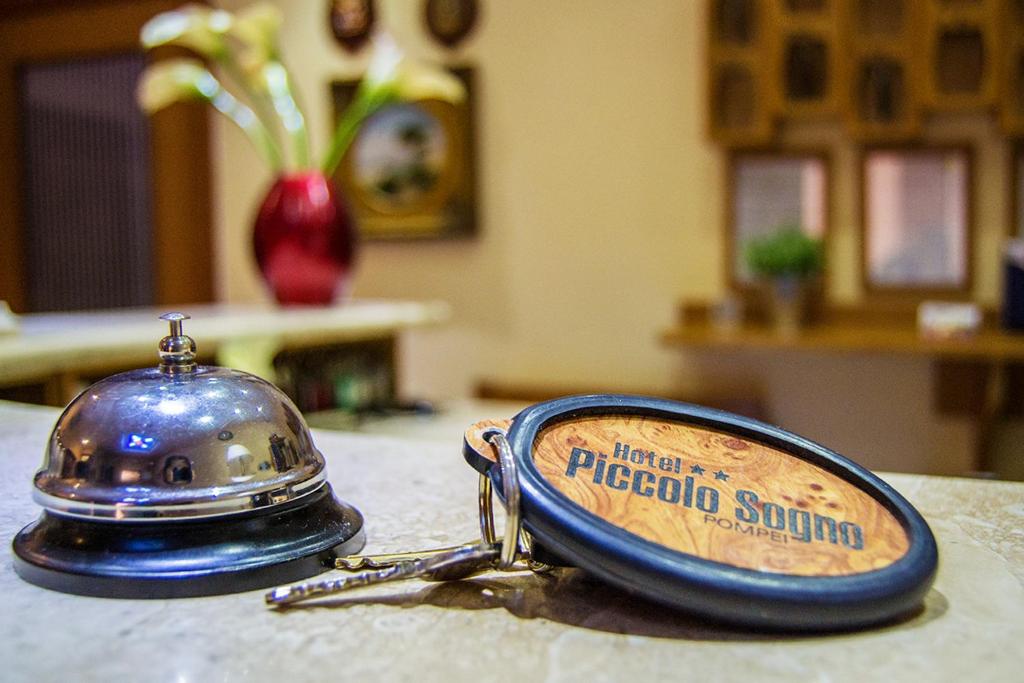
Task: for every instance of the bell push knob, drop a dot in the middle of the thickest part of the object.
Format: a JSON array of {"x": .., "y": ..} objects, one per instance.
[{"x": 177, "y": 350}]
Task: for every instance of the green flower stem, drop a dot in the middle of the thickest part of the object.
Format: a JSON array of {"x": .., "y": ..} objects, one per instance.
[
  {"x": 300, "y": 138},
  {"x": 244, "y": 118},
  {"x": 279, "y": 87},
  {"x": 366, "y": 103},
  {"x": 261, "y": 104}
]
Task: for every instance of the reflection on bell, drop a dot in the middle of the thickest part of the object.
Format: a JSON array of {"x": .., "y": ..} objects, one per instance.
[{"x": 182, "y": 480}]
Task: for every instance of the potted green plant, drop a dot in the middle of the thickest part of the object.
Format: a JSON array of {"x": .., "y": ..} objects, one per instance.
[{"x": 789, "y": 263}]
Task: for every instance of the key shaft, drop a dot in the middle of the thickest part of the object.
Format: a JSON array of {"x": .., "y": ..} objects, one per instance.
[{"x": 457, "y": 563}]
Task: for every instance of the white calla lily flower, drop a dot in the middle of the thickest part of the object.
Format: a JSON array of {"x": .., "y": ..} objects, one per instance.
[
  {"x": 421, "y": 81},
  {"x": 392, "y": 70},
  {"x": 195, "y": 27},
  {"x": 174, "y": 80},
  {"x": 384, "y": 62}
]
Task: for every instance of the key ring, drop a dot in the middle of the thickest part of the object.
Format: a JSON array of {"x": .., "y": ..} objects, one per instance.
[
  {"x": 510, "y": 489},
  {"x": 513, "y": 518},
  {"x": 485, "y": 501}
]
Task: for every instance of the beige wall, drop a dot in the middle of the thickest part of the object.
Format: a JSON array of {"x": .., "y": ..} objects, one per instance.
[{"x": 600, "y": 209}]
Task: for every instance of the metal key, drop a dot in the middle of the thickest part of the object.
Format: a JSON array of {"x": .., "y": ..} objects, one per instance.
[
  {"x": 442, "y": 564},
  {"x": 384, "y": 560},
  {"x": 454, "y": 564}
]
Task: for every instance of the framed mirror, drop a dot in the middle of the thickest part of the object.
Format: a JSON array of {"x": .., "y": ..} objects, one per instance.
[
  {"x": 917, "y": 219},
  {"x": 770, "y": 192}
]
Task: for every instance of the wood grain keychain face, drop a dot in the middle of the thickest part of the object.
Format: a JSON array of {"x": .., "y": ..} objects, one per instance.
[
  {"x": 713, "y": 512},
  {"x": 718, "y": 496}
]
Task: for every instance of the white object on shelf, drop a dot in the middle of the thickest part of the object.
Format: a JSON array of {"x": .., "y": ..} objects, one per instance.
[{"x": 945, "y": 320}]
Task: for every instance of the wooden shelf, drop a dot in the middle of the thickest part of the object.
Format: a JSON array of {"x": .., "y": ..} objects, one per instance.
[
  {"x": 992, "y": 345},
  {"x": 980, "y": 378}
]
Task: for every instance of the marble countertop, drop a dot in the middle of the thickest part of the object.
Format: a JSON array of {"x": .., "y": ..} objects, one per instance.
[
  {"x": 524, "y": 627},
  {"x": 49, "y": 343}
]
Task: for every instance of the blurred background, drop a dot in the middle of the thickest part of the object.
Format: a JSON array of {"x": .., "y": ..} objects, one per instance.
[{"x": 619, "y": 160}]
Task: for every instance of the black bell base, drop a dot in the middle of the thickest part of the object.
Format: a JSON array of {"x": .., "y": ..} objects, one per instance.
[{"x": 182, "y": 559}]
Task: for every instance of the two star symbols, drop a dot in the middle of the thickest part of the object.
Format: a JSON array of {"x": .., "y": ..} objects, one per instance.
[{"x": 699, "y": 471}]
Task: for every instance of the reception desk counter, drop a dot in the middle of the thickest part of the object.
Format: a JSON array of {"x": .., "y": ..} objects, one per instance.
[{"x": 517, "y": 627}]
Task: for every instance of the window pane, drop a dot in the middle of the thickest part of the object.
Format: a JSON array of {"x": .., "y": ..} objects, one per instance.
[
  {"x": 775, "y": 193},
  {"x": 916, "y": 210}
]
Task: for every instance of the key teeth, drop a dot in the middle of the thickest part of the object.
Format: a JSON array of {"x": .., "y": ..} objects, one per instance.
[
  {"x": 355, "y": 563},
  {"x": 285, "y": 596},
  {"x": 279, "y": 596}
]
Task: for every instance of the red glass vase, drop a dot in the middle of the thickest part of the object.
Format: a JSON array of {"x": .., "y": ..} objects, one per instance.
[{"x": 304, "y": 239}]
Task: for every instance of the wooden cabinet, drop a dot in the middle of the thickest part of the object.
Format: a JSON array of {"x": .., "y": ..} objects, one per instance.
[
  {"x": 805, "y": 46},
  {"x": 881, "y": 99},
  {"x": 962, "y": 41},
  {"x": 1011, "y": 75},
  {"x": 740, "y": 110},
  {"x": 875, "y": 67}
]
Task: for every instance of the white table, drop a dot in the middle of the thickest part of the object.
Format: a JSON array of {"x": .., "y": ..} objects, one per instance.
[{"x": 57, "y": 348}]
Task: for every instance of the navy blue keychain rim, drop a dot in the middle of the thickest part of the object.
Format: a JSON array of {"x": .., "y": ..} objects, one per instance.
[{"x": 713, "y": 589}]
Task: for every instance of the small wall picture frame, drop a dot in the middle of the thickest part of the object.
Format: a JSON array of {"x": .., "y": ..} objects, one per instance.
[
  {"x": 351, "y": 22},
  {"x": 450, "y": 21},
  {"x": 917, "y": 215},
  {"x": 410, "y": 173}
]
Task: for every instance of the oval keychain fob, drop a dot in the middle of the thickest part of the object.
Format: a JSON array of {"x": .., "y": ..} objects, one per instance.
[{"x": 713, "y": 513}]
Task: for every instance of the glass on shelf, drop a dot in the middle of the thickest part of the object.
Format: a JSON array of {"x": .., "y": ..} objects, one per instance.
[
  {"x": 881, "y": 91},
  {"x": 806, "y": 68},
  {"x": 960, "y": 61},
  {"x": 735, "y": 21}
]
